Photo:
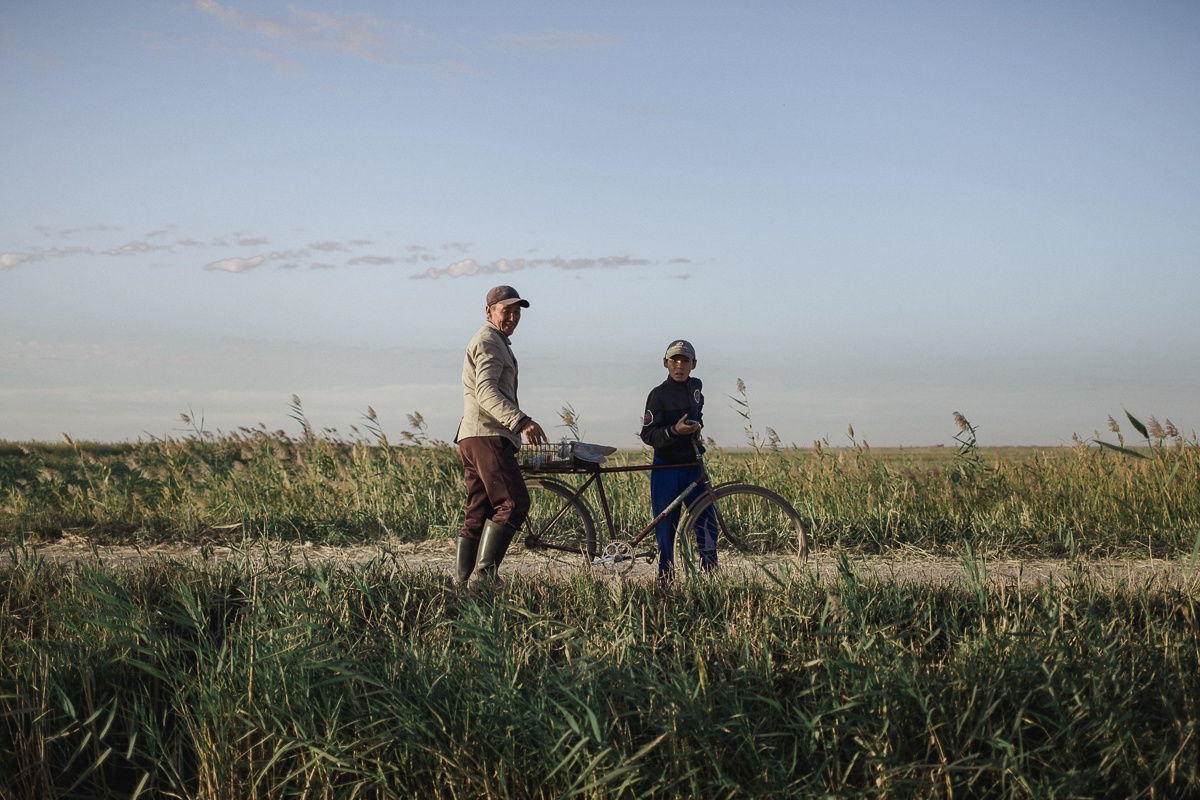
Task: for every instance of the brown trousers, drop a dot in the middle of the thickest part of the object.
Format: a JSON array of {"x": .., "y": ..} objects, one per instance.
[{"x": 495, "y": 488}]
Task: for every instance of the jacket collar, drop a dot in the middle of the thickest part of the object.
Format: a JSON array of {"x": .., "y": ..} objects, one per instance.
[{"x": 499, "y": 332}]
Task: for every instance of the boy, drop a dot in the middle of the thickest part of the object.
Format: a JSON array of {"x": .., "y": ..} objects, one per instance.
[{"x": 674, "y": 416}]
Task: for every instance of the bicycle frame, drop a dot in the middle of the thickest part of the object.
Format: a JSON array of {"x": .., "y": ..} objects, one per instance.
[{"x": 595, "y": 477}]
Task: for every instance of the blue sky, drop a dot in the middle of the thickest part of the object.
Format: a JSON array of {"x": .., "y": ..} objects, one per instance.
[{"x": 875, "y": 214}]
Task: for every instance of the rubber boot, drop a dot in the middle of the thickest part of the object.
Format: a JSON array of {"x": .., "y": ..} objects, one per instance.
[
  {"x": 467, "y": 549},
  {"x": 493, "y": 544}
]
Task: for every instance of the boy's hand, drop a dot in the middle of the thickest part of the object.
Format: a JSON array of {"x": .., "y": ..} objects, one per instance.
[{"x": 686, "y": 427}]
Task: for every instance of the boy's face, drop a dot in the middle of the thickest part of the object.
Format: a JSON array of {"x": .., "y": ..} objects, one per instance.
[{"x": 679, "y": 367}]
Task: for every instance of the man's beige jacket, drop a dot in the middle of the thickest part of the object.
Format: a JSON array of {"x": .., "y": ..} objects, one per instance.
[{"x": 490, "y": 388}]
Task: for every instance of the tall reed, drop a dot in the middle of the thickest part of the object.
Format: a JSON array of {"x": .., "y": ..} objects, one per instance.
[
  {"x": 323, "y": 487},
  {"x": 269, "y": 680}
]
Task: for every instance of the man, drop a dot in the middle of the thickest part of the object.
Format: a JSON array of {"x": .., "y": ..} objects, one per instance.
[{"x": 488, "y": 439}]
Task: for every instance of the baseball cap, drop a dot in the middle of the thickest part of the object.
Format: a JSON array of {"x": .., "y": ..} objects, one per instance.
[
  {"x": 681, "y": 347},
  {"x": 505, "y": 295}
]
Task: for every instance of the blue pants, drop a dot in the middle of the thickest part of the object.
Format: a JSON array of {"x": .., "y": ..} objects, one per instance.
[{"x": 665, "y": 486}]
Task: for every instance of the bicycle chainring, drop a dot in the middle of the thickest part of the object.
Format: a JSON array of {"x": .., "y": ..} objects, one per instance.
[{"x": 616, "y": 557}]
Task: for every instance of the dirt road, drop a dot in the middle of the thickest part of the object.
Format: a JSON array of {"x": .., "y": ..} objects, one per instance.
[{"x": 439, "y": 555}]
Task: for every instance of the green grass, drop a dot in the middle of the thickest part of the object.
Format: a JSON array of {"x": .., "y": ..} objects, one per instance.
[
  {"x": 253, "y": 483},
  {"x": 267, "y": 677},
  {"x": 271, "y": 680}
]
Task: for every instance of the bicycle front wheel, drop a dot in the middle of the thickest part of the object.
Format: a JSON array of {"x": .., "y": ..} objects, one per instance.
[
  {"x": 751, "y": 519},
  {"x": 559, "y": 524}
]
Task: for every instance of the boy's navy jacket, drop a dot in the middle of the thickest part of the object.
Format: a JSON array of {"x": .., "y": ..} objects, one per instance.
[{"x": 667, "y": 403}]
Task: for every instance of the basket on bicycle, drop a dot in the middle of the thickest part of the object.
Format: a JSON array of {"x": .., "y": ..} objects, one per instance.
[{"x": 563, "y": 456}]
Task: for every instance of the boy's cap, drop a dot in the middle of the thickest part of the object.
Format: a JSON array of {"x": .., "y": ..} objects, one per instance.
[
  {"x": 681, "y": 347},
  {"x": 505, "y": 295}
]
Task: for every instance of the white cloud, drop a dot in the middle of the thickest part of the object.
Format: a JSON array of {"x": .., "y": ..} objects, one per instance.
[
  {"x": 362, "y": 36},
  {"x": 55, "y": 252},
  {"x": 277, "y": 255},
  {"x": 85, "y": 229},
  {"x": 470, "y": 267},
  {"x": 274, "y": 29},
  {"x": 611, "y": 261},
  {"x": 236, "y": 264},
  {"x": 132, "y": 247},
  {"x": 293, "y": 257},
  {"x": 10, "y": 260},
  {"x": 415, "y": 256}
]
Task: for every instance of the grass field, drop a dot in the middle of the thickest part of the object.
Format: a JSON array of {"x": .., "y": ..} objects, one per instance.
[
  {"x": 265, "y": 677},
  {"x": 252, "y": 483},
  {"x": 277, "y": 680}
]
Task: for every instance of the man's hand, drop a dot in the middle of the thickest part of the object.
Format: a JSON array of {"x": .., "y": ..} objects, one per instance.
[
  {"x": 534, "y": 433},
  {"x": 686, "y": 428}
]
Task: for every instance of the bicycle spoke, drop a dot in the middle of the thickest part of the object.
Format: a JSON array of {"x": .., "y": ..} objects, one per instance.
[
  {"x": 559, "y": 526},
  {"x": 756, "y": 521}
]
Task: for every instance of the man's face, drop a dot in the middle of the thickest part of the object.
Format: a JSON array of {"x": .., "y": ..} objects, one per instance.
[
  {"x": 680, "y": 367},
  {"x": 505, "y": 317}
]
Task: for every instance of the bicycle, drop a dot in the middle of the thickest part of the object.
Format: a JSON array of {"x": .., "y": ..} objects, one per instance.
[{"x": 750, "y": 518}]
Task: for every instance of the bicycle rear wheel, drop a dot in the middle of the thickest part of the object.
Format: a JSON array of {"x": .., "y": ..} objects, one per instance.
[
  {"x": 559, "y": 525},
  {"x": 756, "y": 521}
]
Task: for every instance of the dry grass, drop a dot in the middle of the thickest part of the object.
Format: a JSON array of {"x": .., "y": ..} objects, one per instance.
[{"x": 321, "y": 487}]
